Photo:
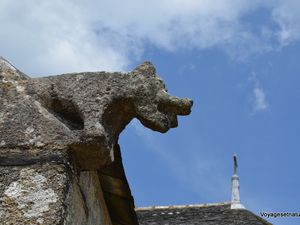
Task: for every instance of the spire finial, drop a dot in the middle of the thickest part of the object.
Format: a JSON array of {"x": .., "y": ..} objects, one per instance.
[{"x": 235, "y": 187}]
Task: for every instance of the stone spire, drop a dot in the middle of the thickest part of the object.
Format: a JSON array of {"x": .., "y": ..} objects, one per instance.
[{"x": 235, "y": 187}]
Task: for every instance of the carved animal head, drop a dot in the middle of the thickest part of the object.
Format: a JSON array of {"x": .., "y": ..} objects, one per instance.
[{"x": 155, "y": 108}]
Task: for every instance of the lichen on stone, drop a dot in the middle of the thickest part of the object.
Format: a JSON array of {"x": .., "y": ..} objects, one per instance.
[
  {"x": 31, "y": 190},
  {"x": 32, "y": 194}
]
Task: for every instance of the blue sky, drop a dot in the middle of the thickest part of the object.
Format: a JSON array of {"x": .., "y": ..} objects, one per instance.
[{"x": 238, "y": 60}]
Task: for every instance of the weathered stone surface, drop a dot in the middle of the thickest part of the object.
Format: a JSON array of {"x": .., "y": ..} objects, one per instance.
[
  {"x": 85, "y": 201},
  {"x": 58, "y": 133},
  {"x": 80, "y": 112},
  {"x": 32, "y": 194}
]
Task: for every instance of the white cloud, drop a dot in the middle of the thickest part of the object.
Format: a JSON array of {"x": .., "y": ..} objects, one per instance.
[
  {"x": 43, "y": 37},
  {"x": 54, "y": 37},
  {"x": 258, "y": 98},
  {"x": 286, "y": 13},
  {"x": 260, "y": 102}
]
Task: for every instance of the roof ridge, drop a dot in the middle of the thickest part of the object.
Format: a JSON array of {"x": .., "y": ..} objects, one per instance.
[{"x": 182, "y": 206}]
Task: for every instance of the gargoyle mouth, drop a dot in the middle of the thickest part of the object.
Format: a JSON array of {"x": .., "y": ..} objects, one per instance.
[{"x": 164, "y": 116}]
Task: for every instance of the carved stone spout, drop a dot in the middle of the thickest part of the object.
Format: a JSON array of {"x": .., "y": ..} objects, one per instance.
[{"x": 64, "y": 129}]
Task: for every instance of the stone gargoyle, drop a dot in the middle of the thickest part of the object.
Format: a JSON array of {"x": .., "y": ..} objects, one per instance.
[
  {"x": 60, "y": 162},
  {"x": 80, "y": 112}
]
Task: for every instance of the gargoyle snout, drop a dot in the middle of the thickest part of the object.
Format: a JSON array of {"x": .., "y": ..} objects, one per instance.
[{"x": 179, "y": 106}]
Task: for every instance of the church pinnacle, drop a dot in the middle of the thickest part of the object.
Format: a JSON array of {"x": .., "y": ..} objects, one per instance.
[{"x": 235, "y": 187}]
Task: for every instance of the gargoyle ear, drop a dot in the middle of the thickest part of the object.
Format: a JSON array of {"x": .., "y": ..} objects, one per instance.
[{"x": 146, "y": 69}]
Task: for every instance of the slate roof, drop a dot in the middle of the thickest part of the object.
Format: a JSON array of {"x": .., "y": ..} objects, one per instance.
[{"x": 207, "y": 214}]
